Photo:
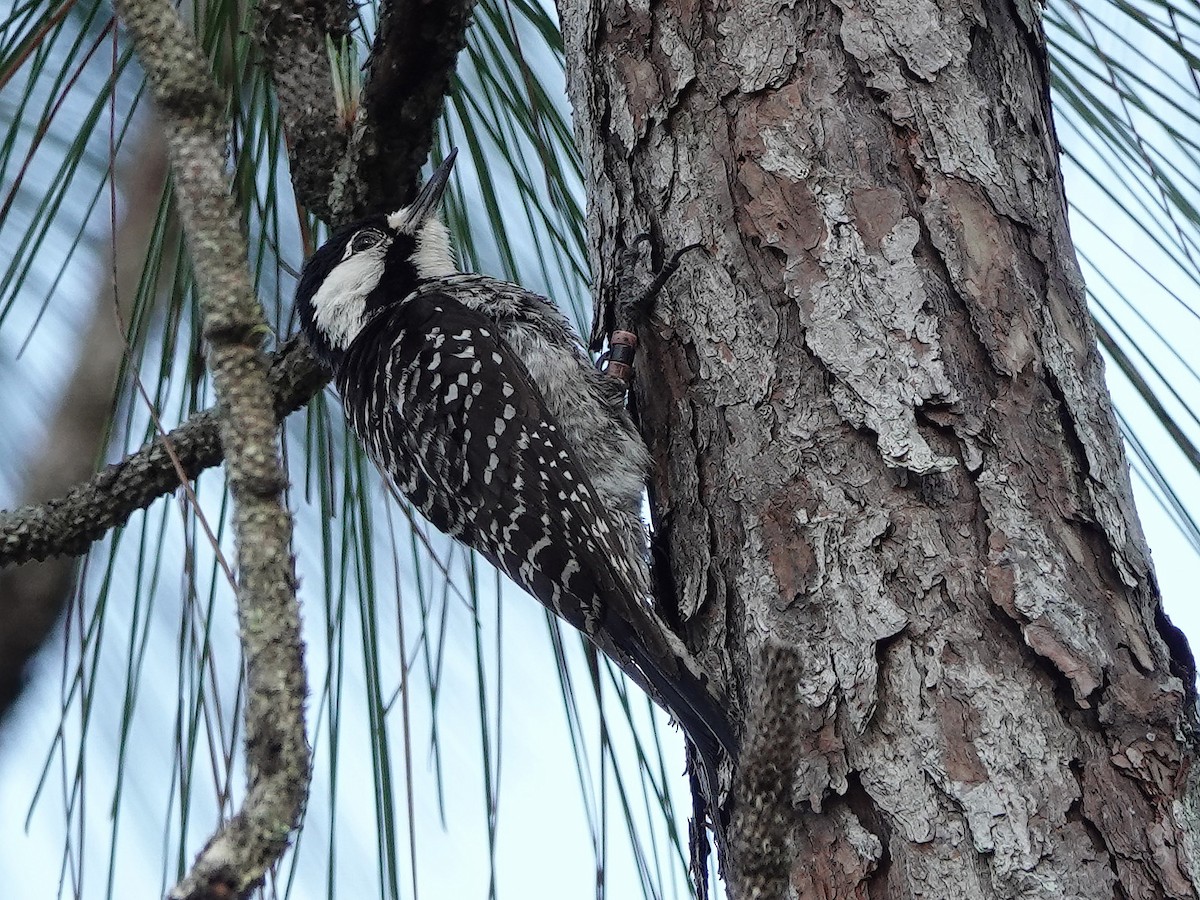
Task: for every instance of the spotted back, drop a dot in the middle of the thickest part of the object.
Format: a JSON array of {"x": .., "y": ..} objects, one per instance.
[{"x": 453, "y": 417}]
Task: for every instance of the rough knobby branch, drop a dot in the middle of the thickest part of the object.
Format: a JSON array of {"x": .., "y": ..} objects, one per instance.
[
  {"x": 69, "y": 524},
  {"x": 291, "y": 42},
  {"x": 409, "y": 73},
  {"x": 237, "y": 858},
  {"x": 341, "y": 175}
]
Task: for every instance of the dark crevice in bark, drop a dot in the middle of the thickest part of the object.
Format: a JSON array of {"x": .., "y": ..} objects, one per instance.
[
  {"x": 1032, "y": 38},
  {"x": 666, "y": 591},
  {"x": 865, "y": 809},
  {"x": 882, "y": 647},
  {"x": 1183, "y": 662},
  {"x": 1075, "y": 814},
  {"x": 1181, "y": 659},
  {"x": 1059, "y": 682},
  {"x": 952, "y": 308}
]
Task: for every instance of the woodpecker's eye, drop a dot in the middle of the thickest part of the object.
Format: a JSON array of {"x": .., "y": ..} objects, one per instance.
[{"x": 365, "y": 240}]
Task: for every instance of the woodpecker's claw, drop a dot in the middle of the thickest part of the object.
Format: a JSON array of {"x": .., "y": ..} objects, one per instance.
[
  {"x": 670, "y": 267},
  {"x": 631, "y": 313}
]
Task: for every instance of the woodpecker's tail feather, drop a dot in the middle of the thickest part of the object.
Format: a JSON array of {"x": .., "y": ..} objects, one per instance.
[
  {"x": 702, "y": 716},
  {"x": 672, "y": 683}
]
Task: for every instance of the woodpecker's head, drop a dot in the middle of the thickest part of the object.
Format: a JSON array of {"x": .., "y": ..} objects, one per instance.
[{"x": 371, "y": 264}]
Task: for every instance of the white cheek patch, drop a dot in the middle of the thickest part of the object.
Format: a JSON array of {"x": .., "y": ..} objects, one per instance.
[
  {"x": 341, "y": 302},
  {"x": 433, "y": 257}
]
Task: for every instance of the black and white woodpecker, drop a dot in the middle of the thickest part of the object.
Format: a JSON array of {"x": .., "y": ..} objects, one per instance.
[{"x": 479, "y": 402}]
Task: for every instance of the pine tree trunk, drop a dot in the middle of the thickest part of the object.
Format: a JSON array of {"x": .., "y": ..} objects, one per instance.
[{"x": 889, "y": 480}]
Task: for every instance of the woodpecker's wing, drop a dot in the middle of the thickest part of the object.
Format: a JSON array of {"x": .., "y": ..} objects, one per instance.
[
  {"x": 456, "y": 421},
  {"x": 463, "y": 432}
]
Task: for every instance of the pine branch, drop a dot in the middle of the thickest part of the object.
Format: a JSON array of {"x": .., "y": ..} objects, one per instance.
[
  {"x": 68, "y": 525},
  {"x": 291, "y": 39},
  {"x": 236, "y": 859},
  {"x": 411, "y": 63}
]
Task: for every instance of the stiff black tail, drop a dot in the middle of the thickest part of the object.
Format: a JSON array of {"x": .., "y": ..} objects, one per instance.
[{"x": 688, "y": 698}]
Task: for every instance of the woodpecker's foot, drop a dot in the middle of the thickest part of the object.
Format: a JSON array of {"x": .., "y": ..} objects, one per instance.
[
  {"x": 634, "y": 308},
  {"x": 637, "y": 309}
]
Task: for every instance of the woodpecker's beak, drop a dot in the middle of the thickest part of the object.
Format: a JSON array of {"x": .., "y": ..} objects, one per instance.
[{"x": 409, "y": 218}]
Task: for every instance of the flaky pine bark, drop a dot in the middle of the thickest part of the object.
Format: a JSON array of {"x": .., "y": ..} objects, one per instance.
[{"x": 889, "y": 479}]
